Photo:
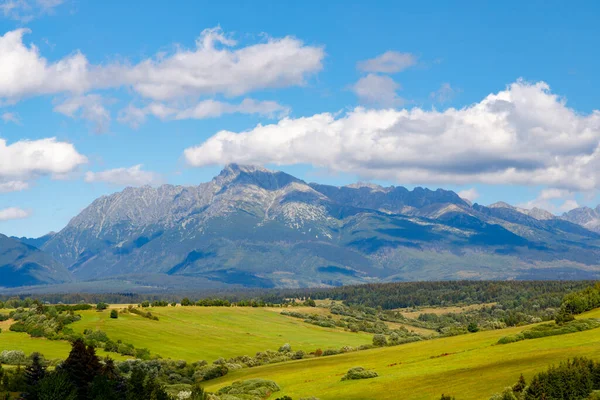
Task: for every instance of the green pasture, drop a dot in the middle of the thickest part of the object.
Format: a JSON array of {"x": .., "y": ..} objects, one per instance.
[
  {"x": 207, "y": 333},
  {"x": 468, "y": 366},
  {"x": 51, "y": 349}
]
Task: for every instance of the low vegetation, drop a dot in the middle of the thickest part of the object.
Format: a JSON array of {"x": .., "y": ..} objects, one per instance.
[
  {"x": 359, "y": 373},
  {"x": 317, "y": 345},
  {"x": 552, "y": 329}
]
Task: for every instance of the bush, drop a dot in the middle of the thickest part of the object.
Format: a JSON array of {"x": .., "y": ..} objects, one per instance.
[
  {"x": 286, "y": 348},
  {"x": 12, "y": 357},
  {"x": 552, "y": 329},
  {"x": 101, "y": 306},
  {"x": 258, "y": 388},
  {"x": 318, "y": 353},
  {"x": 379, "y": 340},
  {"x": 114, "y": 314},
  {"x": 212, "y": 372},
  {"x": 473, "y": 327},
  {"x": 359, "y": 373}
]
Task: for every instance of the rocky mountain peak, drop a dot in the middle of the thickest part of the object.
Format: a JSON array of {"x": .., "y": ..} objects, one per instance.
[
  {"x": 234, "y": 174},
  {"x": 502, "y": 204},
  {"x": 367, "y": 185}
]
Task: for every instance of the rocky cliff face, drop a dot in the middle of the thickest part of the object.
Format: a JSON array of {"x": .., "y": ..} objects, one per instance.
[
  {"x": 254, "y": 227},
  {"x": 587, "y": 217}
]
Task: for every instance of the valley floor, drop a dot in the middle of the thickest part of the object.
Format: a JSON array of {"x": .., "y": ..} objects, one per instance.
[{"x": 468, "y": 366}]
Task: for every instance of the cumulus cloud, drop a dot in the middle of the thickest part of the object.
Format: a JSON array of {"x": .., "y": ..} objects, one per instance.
[
  {"x": 24, "y": 72},
  {"x": 469, "y": 194},
  {"x": 388, "y": 62},
  {"x": 27, "y": 159},
  {"x": 13, "y": 213},
  {"x": 378, "y": 89},
  {"x": 523, "y": 135},
  {"x": 133, "y": 176},
  {"x": 135, "y": 116},
  {"x": 213, "y": 67},
  {"x": 88, "y": 107}
]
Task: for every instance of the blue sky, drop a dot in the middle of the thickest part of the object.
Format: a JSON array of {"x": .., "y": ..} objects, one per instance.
[{"x": 126, "y": 87}]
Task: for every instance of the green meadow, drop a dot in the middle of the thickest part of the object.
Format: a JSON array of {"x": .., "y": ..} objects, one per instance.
[
  {"x": 469, "y": 366},
  {"x": 207, "y": 333}
]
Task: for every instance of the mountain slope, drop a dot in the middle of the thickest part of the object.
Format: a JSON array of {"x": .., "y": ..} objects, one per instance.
[
  {"x": 22, "y": 264},
  {"x": 587, "y": 217},
  {"x": 254, "y": 227}
]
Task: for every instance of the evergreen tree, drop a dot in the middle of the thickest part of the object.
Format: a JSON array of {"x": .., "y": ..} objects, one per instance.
[
  {"x": 56, "y": 386},
  {"x": 82, "y": 366},
  {"x": 520, "y": 386},
  {"x": 34, "y": 373},
  {"x": 198, "y": 393}
]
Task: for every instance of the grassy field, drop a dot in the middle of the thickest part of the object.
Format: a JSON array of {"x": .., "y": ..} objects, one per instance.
[
  {"x": 207, "y": 333},
  {"x": 468, "y": 367},
  {"x": 51, "y": 349}
]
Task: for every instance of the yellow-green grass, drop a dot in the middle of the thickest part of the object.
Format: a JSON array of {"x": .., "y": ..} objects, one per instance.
[
  {"x": 51, "y": 349},
  {"x": 468, "y": 366},
  {"x": 327, "y": 312},
  {"x": 207, "y": 333}
]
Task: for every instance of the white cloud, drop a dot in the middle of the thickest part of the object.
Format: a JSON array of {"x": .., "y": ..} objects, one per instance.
[
  {"x": 553, "y": 200},
  {"x": 522, "y": 135},
  {"x": 27, "y": 10},
  {"x": 24, "y": 72},
  {"x": 89, "y": 107},
  {"x": 378, "y": 89},
  {"x": 133, "y": 176},
  {"x": 13, "y": 186},
  {"x": 10, "y": 117},
  {"x": 444, "y": 94},
  {"x": 215, "y": 67},
  {"x": 469, "y": 194},
  {"x": 28, "y": 159},
  {"x": 135, "y": 116},
  {"x": 13, "y": 213},
  {"x": 388, "y": 62},
  {"x": 568, "y": 205}
]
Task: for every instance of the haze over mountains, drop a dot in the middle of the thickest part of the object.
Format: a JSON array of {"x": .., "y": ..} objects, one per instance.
[{"x": 258, "y": 228}]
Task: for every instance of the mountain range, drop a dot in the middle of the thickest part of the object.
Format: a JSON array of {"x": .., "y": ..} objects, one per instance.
[{"x": 253, "y": 227}]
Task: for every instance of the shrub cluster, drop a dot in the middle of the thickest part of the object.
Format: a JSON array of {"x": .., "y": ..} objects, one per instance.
[
  {"x": 359, "y": 373},
  {"x": 146, "y": 314},
  {"x": 552, "y": 329},
  {"x": 43, "y": 322},
  {"x": 249, "y": 389}
]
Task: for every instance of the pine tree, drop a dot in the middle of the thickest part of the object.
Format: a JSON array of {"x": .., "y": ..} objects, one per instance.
[
  {"x": 520, "y": 385},
  {"x": 82, "y": 366},
  {"x": 34, "y": 373}
]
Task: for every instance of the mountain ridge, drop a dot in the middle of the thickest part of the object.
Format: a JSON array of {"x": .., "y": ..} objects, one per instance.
[{"x": 254, "y": 227}]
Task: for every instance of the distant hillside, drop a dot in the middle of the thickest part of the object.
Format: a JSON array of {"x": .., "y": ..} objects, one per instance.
[
  {"x": 22, "y": 264},
  {"x": 258, "y": 228}
]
